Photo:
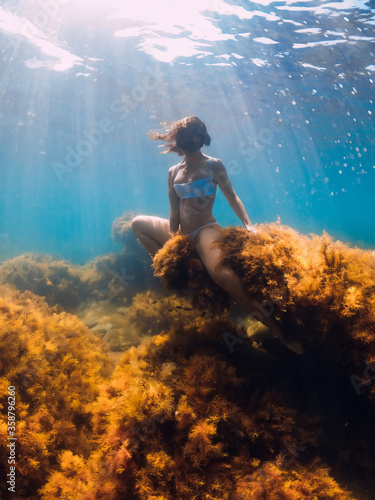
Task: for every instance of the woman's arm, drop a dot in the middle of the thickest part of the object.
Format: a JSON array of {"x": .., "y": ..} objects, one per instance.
[
  {"x": 174, "y": 214},
  {"x": 223, "y": 181}
]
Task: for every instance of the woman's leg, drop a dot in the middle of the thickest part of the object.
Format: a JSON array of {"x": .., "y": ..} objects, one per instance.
[
  {"x": 152, "y": 232},
  {"x": 231, "y": 283}
]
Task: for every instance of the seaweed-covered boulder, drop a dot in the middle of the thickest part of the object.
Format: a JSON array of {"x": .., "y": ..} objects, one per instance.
[
  {"x": 183, "y": 418},
  {"x": 114, "y": 278},
  {"x": 322, "y": 291}
]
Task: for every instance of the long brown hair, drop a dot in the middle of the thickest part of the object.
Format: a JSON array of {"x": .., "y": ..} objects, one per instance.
[{"x": 188, "y": 134}]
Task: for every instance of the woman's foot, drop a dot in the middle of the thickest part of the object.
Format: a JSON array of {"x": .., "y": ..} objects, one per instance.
[{"x": 293, "y": 345}]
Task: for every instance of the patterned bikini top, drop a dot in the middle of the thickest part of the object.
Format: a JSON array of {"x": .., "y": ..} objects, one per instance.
[{"x": 195, "y": 189}]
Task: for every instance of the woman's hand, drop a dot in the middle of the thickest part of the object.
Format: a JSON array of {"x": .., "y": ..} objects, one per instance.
[{"x": 251, "y": 229}]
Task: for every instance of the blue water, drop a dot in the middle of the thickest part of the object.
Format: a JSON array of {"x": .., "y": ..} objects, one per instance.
[{"x": 286, "y": 89}]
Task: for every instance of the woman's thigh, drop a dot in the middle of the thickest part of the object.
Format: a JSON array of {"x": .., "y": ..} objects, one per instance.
[
  {"x": 210, "y": 255},
  {"x": 223, "y": 276},
  {"x": 156, "y": 228}
]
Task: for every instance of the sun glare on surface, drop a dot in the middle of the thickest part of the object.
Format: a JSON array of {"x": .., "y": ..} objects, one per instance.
[
  {"x": 153, "y": 23},
  {"x": 164, "y": 29},
  {"x": 151, "y": 10}
]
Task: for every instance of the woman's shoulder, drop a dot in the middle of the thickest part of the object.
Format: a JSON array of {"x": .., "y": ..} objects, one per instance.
[
  {"x": 218, "y": 170},
  {"x": 172, "y": 172},
  {"x": 216, "y": 163},
  {"x": 173, "y": 168}
]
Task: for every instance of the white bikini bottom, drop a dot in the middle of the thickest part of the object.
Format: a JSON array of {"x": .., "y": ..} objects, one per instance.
[{"x": 193, "y": 234}]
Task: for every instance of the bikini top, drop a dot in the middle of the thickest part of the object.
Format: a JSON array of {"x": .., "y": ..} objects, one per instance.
[{"x": 194, "y": 189}]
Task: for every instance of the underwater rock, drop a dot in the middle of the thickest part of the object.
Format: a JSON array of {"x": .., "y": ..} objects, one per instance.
[
  {"x": 322, "y": 291},
  {"x": 122, "y": 233},
  {"x": 154, "y": 313},
  {"x": 124, "y": 326},
  {"x": 111, "y": 322},
  {"x": 184, "y": 418},
  {"x": 201, "y": 411},
  {"x": 113, "y": 278},
  {"x": 202, "y": 408}
]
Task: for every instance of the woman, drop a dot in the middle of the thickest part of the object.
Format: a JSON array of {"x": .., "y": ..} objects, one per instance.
[{"x": 192, "y": 187}]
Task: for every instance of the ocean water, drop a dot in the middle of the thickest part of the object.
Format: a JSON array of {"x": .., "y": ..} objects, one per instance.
[
  {"x": 121, "y": 389},
  {"x": 286, "y": 89}
]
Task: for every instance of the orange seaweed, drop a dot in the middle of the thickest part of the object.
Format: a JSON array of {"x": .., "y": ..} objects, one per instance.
[
  {"x": 322, "y": 291},
  {"x": 177, "y": 420},
  {"x": 180, "y": 268},
  {"x": 200, "y": 409},
  {"x": 55, "y": 365}
]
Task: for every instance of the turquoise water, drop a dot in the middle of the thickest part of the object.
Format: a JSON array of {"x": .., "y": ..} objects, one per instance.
[{"x": 286, "y": 89}]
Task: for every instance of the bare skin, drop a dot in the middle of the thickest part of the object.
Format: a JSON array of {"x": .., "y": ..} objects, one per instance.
[{"x": 187, "y": 215}]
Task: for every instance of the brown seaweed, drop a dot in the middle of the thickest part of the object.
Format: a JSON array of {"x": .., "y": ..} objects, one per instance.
[
  {"x": 177, "y": 420},
  {"x": 322, "y": 291},
  {"x": 180, "y": 268},
  {"x": 56, "y": 366},
  {"x": 199, "y": 409}
]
